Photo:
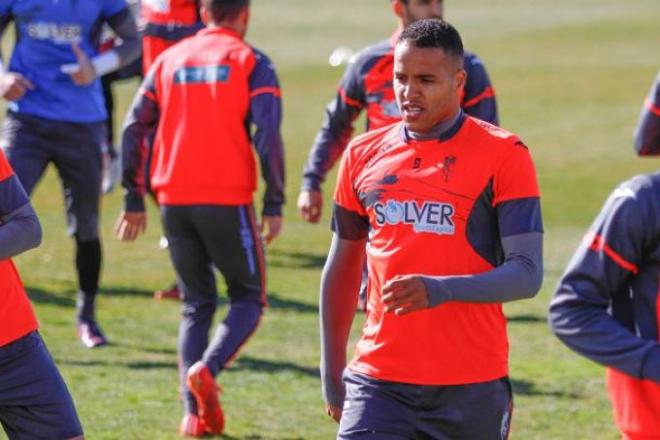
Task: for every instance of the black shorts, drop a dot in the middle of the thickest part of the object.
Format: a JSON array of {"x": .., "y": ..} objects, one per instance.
[
  {"x": 34, "y": 400},
  {"x": 31, "y": 143},
  {"x": 382, "y": 410}
]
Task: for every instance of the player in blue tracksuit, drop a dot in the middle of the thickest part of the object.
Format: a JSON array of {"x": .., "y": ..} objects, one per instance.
[
  {"x": 607, "y": 304},
  {"x": 56, "y": 114}
]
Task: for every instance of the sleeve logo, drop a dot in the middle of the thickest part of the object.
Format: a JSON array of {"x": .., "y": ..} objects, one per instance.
[{"x": 433, "y": 217}]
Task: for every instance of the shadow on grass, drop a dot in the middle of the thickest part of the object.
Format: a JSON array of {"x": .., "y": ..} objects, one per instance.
[
  {"x": 258, "y": 437},
  {"x": 276, "y": 301},
  {"x": 271, "y": 366},
  {"x": 527, "y": 319},
  {"x": 133, "y": 365},
  {"x": 298, "y": 260},
  {"x": 527, "y": 388},
  {"x": 41, "y": 296},
  {"x": 125, "y": 291}
]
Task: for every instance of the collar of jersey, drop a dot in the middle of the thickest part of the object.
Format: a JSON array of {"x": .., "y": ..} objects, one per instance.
[
  {"x": 220, "y": 30},
  {"x": 444, "y": 136}
]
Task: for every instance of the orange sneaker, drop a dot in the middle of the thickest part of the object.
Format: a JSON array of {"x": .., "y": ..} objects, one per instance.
[
  {"x": 172, "y": 292},
  {"x": 203, "y": 386},
  {"x": 192, "y": 426}
]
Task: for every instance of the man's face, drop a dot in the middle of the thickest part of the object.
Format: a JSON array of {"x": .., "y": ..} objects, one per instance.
[
  {"x": 420, "y": 9},
  {"x": 427, "y": 85}
]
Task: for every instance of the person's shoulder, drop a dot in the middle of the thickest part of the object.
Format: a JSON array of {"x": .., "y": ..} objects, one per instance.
[
  {"x": 366, "y": 143},
  {"x": 643, "y": 186},
  {"x": 494, "y": 134},
  {"x": 369, "y": 55},
  {"x": 471, "y": 60},
  {"x": 260, "y": 56}
]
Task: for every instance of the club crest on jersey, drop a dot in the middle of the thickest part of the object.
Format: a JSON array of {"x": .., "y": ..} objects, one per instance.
[{"x": 433, "y": 217}]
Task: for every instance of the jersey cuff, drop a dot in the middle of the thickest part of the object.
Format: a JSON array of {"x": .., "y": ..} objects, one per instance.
[
  {"x": 272, "y": 209},
  {"x": 311, "y": 183},
  {"x": 133, "y": 202}
]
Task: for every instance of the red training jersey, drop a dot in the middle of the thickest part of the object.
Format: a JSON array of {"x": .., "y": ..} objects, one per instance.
[
  {"x": 431, "y": 208},
  {"x": 16, "y": 315}
]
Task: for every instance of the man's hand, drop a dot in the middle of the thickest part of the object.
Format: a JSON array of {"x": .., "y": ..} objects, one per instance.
[
  {"x": 82, "y": 73},
  {"x": 333, "y": 411},
  {"x": 270, "y": 227},
  {"x": 405, "y": 294},
  {"x": 130, "y": 224},
  {"x": 310, "y": 205},
  {"x": 14, "y": 85}
]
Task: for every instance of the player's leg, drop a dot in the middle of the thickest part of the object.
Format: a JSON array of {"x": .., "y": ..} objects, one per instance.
[
  {"x": 25, "y": 141},
  {"x": 111, "y": 163},
  {"x": 195, "y": 276},
  {"x": 375, "y": 409},
  {"x": 79, "y": 161},
  {"x": 479, "y": 411},
  {"x": 34, "y": 400},
  {"x": 236, "y": 249},
  {"x": 232, "y": 241}
]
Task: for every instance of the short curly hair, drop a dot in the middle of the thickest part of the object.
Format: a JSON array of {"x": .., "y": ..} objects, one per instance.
[{"x": 433, "y": 32}]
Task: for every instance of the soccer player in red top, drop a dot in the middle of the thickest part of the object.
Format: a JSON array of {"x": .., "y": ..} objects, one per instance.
[
  {"x": 367, "y": 85},
  {"x": 202, "y": 96},
  {"x": 450, "y": 206},
  {"x": 34, "y": 401},
  {"x": 607, "y": 304}
]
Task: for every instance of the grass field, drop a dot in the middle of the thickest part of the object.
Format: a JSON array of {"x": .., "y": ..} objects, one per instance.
[{"x": 570, "y": 77}]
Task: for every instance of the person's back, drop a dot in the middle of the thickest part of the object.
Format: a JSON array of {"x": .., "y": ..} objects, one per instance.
[{"x": 202, "y": 85}]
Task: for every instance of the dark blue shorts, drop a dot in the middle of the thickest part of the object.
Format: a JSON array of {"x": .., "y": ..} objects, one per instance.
[
  {"x": 31, "y": 143},
  {"x": 394, "y": 411},
  {"x": 34, "y": 401}
]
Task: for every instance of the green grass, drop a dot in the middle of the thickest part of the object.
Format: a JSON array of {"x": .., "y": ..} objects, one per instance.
[{"x": 570, "y": 78}]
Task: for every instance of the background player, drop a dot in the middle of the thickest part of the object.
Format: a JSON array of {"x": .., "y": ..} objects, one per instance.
[
  {"x": 167, "y": 22},
  {"x": 34, "y": 401},
  {"x": 200, "y": 96},
  {"x": 56, "y": 114},
  {"x": 367, "y": 84},
  {"x": 451, "y": 207},
  {"x": 607, "y": 304},
  {"x": 647, "y": 133}
]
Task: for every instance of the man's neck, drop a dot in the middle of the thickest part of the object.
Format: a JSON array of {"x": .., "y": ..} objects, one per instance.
[{"x": 437, "y": 130}]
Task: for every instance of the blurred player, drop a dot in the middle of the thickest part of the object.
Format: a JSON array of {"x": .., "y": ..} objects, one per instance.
[
  {"x": 167, "y": 22},
  {"x": 607, "y": 305},
  {"x": 367, "y": 84},
  {"x": 450, "y": 206},
  {"x": 111, "y": 160},
  {"x": 202, "y": 96},
  {"x": 56, "y": 114},
  {"x": 34, "y": 401},
  {"x": 647, "y": 133}
]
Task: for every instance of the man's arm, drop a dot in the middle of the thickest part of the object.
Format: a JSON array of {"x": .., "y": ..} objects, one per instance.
[
  {"x": 331, "y": 140},
  {"x": 518, "y": 277},
  {"x": 122, "y": 22},
  {"x": 479, "y": 95},
  {"x": 12, "y": 85},
  {"x": 599, "y": 275},
  {"x": 141, "y": 119},
  {"x": 266, "y": 114},
  {"x": 647, "y": 132},
  {"x": 19, "y": 226},
  {"x": 340, "y": 283}
]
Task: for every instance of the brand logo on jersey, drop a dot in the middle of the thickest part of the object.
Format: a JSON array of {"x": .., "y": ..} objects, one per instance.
[
  {"x": 417, "y": 163},
  {"x": 59, "y": 33},
  {"x": 202, "y": 74},
  {"x": 448, "y": 167},
  {"x": 434, "y": 217}
]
